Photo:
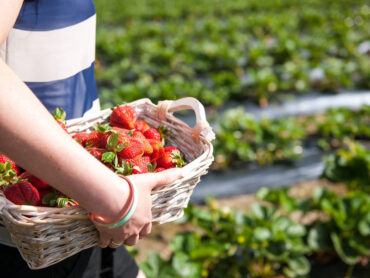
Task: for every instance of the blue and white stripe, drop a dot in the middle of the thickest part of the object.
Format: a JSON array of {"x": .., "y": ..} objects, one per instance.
[{"x": 52, "y": 49}]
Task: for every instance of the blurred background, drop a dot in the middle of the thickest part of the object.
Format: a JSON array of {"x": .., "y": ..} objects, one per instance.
[{"x": 286, "y": 85}]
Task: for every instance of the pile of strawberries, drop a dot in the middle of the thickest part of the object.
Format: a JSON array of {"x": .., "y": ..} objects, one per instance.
[{"x": 126, "y": 145}]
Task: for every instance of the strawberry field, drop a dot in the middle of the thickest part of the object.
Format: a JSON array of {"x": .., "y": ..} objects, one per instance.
[{"x": 258, "y": 52}]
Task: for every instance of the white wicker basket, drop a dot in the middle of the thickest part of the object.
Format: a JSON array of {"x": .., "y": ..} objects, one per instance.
[{"x": 45, "y": 236}]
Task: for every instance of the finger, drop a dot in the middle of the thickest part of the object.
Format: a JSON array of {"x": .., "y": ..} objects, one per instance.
[
  {"x": 163, "y": 178},
  {"x": 146, "y": 230},
  {"x": 132, "y": 240},
  {"x": 115, "y": 243},
  {"x": 104, "y": 240}
]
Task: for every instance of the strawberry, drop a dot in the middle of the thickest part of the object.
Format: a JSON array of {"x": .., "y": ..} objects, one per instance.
[
  {"x": 142, "y": 126},
  {"x": 22, "y": 193},
  {"x": 152, "y": 133},
  {"x": 123, "y": 116},
  {"x": 157, "y": 147},
  {"x": 148, "y": 149},
  {"x": 133, "y": 147},
  {"x": 123, "y": 131},
  {"x": 59, "y": 116},
  {"x": 97, "y": 152},
  {"x": 14, "y": 166},
  {"x": 140, "y": 165},
  {"x": 35, "y": 181},
  {"x": 94, "y": 139},
  {"x": 81, "y": 138},
  {"x": 170, "y": 157}
]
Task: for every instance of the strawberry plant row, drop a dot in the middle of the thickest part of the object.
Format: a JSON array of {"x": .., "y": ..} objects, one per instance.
[
  {"x": 245, "y": 52},
  {"x": 266, "y": 242},
  {"x": 242, "y": 139}
]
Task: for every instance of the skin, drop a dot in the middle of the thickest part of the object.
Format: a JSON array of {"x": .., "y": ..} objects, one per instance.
[{"x": 31, "y": 137}]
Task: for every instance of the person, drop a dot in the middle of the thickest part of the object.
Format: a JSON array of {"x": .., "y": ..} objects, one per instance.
[{"x": 47, "y": 61}]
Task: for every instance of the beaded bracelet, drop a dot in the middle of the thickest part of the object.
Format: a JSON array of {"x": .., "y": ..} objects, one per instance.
[{"x": 129, "y": 213}]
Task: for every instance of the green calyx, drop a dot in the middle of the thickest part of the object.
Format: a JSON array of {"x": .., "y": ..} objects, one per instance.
[
  {"x": 177, "y": 159},
  {"x": 113, "y": 143},
  {"x": 59, "y": 114},
  {"x": 55, "y": 199},
  {"x": 7, "y": 174},
  {"x": 104, "y": 128},
  {"x": 124, "y": 168}
]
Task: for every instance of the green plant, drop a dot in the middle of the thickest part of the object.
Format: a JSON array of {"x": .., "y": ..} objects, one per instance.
[{"x": 350, "y": 165}]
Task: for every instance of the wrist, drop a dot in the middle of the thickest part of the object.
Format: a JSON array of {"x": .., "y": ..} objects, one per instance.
[{"x": 120, "y": 203}]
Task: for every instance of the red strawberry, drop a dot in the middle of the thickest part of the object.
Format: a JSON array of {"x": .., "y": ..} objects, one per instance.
[
  {"x": 94, "y": 139},
  {"x": 123, "y": 116},
  {"x": 148, "y": 149},
  {"x": 152, "y": 133},
  {"x": 35, "y": 181},
  {"x": 97, "y": 152},
  {"x": 123, "y": 131},
  {"x": 22, "y": 193},
  {"x": 15, "y": 167},
  {"x": 157, "y": 147},
  {"x": 59, "y": 116},
  {"x": 170, "y": 157},
  {"x": 133, "y": 147},
  {"x": 140, "y": 165},
  {"x": 81, "y": 138},
  {"x": 142, "y": 126}
]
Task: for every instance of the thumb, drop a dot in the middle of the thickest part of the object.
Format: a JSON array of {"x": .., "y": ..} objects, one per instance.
[{"x": 154, "y": 180}]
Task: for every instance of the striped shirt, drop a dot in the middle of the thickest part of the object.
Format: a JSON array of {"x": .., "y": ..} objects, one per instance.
[{"x": 52, "y": 49}]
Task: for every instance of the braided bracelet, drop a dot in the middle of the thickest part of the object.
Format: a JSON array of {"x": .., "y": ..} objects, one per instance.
[{"x": 129, "y": 213}]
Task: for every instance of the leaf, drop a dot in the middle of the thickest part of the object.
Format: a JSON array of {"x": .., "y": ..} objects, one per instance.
[
  {"x": 104, "y": 128},
  {"x": 108, "y": 157},
  {"x": 299, "y": 265},
  {"x": 319, "y": 238},
  {"x": 112, "y": 141},
  {"x": 360, "y": 244},
  {"x": 207, "y": 250},
  {"x": 152, "y": 265},
  {"x": 280, "y": 224},
  {"x": 262, "y": 193},
  {"x": 296, "y": 230},
  {"x": 262, "y": 234},
  {"x": 261, "y": 212},
  {"x": 364, "y": 225},
  {"x": 59, "y": 114},
  {"x": 184, "y": 267},
  {"x": 185, "y": 242},
  {"x": 345, "y": 252}
]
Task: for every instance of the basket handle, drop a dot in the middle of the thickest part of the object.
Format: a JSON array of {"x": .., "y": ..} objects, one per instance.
[{"x": 201, "y": 127}]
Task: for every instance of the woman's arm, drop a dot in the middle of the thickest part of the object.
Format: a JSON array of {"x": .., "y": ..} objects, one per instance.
[{"x": 30, "y": 136}]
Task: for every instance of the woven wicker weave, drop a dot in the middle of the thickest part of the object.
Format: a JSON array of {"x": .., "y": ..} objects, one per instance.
[{"x": 45, "y": 236}]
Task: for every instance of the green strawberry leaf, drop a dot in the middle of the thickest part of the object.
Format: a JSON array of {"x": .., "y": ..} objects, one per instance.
[
  {"x": 348, "y": 254},
  {"x": 319, "y": 238},
  {"x": 49, "y": 199},
  {"x": 108, "y": 157},
  {"x": 104, "y": 128},
  {"x": 59, "y": 114}
]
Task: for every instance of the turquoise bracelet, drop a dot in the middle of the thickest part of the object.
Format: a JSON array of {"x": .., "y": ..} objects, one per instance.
[{"x": 130, "y": 212}]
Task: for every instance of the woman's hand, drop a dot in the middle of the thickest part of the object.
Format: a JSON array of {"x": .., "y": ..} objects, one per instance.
[{"x": 140, "y": 223}]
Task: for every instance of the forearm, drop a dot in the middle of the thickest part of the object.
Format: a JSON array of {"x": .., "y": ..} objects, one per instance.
[{"x": 30, "y": 136}]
